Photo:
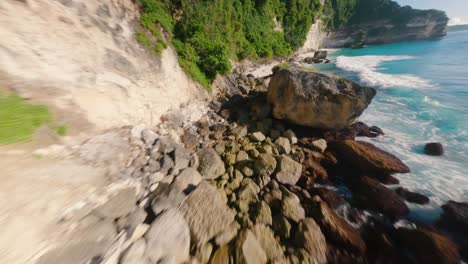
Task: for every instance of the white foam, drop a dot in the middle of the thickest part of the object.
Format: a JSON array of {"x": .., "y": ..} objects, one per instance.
[{"x": 367, "y": 67}]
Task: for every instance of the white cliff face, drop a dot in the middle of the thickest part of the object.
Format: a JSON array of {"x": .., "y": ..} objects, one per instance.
[
  {"x": 315, "y": 38},
  {"x": 82, "y": 57}
]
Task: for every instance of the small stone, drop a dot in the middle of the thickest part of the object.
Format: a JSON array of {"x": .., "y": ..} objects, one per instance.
[
  {"x": 283, "y": 145},
  {"x": 291, "y": 207},
  {"x": 242, "y": 156},
  {"x": 230, "y": 159},
  {"x": 320, "y": 145},
  {"x": 257, "y": 136},
  {"x": 167, "y": 164},
  {"x": 211, "y": 166},
  {"x": 254, "y": 153},
  {"x": 265, "y": 165},
  {"x": 248, "y": 191},
  {"x": 289, "y": 134},
  {"x": 220, "y": 148},
  {"x": 288, "y": 171},
  {"x": 247, "y": 171}
]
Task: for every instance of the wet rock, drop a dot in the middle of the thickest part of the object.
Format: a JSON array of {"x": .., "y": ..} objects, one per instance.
[
  {"x": 248, "y": 249},
  {"x": 283, "y": 145},
  {"x": 175, "y": 246},
  {"x": 330, "y": 197},
  {"x": 368, "y": 158},
  {"x": 455, "y": 215},
  {"x": 211, "y": 166},
  {"x": 412, "y": 197},
  {"x": 428, "y": 247},
  {"x": 288, "y": 171},
  {"x": 291, "y": 207},
  {"x": 119, "y": 203},
  {"x": 309, "y": 237},
  {"x": 265, "y": 165},
  {"x": 257, "y": 136},
  {"x": 434, "y": 149},
  {"x": 206, "y": 213},
  {"x": 301, "y": 96},
  {"x": 386, "y": 178},
  {"x": 375, "y": 196},
  {"x": 268, "y": 242},
  {"x": 336, "y": 229}
]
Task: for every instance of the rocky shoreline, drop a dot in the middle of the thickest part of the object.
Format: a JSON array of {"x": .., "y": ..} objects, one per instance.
[{"x": 249, "y": 183}]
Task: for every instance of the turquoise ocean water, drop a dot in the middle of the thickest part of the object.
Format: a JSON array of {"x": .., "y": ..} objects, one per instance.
[{"x": 422, "y": 97}]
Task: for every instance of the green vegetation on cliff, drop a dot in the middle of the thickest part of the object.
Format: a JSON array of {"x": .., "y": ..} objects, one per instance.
[{"x": 209, "y": 34}]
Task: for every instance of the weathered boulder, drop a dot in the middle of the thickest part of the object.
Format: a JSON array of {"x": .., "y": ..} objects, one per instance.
[
  {"x": 211, "y": 166},
  {"x": 336, "y": 229},
  {"x": 268, "y": 242},
  {"x": 412, "y": 197},
  {"x": 368, "y": 158},
  {"x": 373, "y": 195},
  {"x": 248, "y": 249},
  {"x": 456, "y": 215},
  {"x": 309, "y": 237},
  {"x": 288, "y": 171},
  {"x": 206, "y": 213},
  {"x": 168, "y": 238},
  {"x": 291, "y": 207},
  {"x": 317, "y": 100},
  {"x": 429, "y": 247},
  {"x": 434, "y": 149},
  {"x": 332, "y": 198}
]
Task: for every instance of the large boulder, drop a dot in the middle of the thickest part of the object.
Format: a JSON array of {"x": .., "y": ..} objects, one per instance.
[
  {"x": 368, "y": 158},
  {"x": 428, "y": 247},
  {"x": 373, "y": 195},
  {"x": 168, "y": 238},
  {"x": 316, "y": 100},
  {"x": 309, "y": 237},
  {"x": 206, "y": 213}
]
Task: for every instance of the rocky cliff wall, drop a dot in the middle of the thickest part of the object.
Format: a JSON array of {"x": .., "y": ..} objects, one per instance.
[
  {"x": 82, "y": 58},
  {"x": 315, "y": 37}
]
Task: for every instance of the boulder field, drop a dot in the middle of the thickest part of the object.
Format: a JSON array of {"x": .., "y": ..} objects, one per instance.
[{"x": 241, "y": 185}]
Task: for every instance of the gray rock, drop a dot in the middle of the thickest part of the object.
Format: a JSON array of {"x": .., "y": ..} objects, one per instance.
[
  {"x": 309, "y": 237},
  {"x": 167, "y": 196},
  {"x": 211, "y": 166},
  {"x": 206, "y": 213},
  {"x": 315, "y": 99},
  {"x": 291, "y": 207},
  {"x": 283, "y": 145},
  {"x": 187, "y": 180},
  {"x": 265, "y": 165},
  {"x": 149, "y": 137},
  {"x": 288, "y": 171},
  {"x": 136, "y": 253},
  {"x": 168, "y": 238},
  {"x": 119, "y": 204},
  {"x": 166, "y": 144},
  {"x": 132, "y": 220},
  {"x": 248, "y": 249},
  {"x": 257, "y": 136},
  {"x": 181, "y": 159}
]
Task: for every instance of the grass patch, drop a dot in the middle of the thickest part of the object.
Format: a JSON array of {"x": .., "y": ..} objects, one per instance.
[
  {"x": 61, "y": 130},
  {"x": 19, "y": 119}
]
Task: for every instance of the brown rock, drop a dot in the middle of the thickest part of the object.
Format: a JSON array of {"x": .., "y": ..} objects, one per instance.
[
  {"x": 375, "y": 196},
  {"x": 309, "y": 237},
  {"x": 336, "y": 229},
  {"x": 368, "y": 158},
  {"x": 429, "y": 247},
  {"x": 248, "y": 249},
  {"x": 332, "y": 198}
]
